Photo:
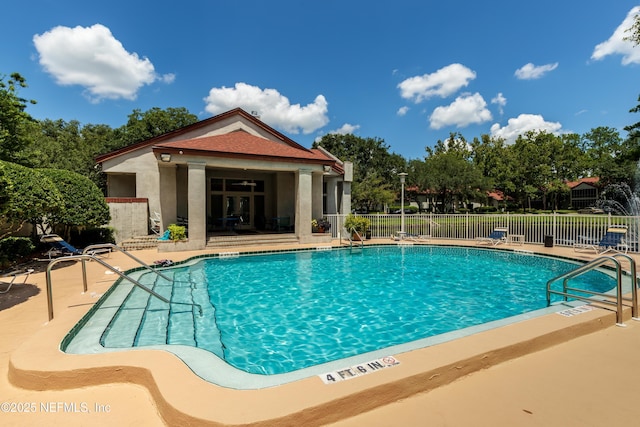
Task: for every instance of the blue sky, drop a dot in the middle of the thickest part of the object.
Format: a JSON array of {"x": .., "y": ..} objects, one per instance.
[{"x": 408, "y": 72}]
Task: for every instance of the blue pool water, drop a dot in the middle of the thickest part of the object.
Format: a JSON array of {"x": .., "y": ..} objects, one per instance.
[{"x": 277, "y": 313}]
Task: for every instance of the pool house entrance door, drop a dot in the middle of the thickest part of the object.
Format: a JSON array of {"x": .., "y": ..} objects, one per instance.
[{"x": 236, "y": 204}]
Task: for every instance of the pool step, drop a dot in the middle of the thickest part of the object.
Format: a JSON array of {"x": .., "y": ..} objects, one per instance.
[
  {"x": 218, "y": 241},
  {"x": 122, "y": 330},
  {"x": 208, "y": 335},
  {"x": 145, "y": 320},
  {"x": 251, "y": 240},
  {"x": 139, "y": 242},
  {"x": 180, "y": 329},
  {"x": 153, "y": 325}
]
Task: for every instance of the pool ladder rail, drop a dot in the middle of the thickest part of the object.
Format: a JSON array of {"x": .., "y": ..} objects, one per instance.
[
  {"x": 91, "y": 253},
  {"x": 349, "y": 233},
  {"x": 569, "y": 292}
]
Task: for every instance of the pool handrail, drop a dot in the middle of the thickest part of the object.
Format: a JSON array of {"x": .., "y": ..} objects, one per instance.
[
  {"x": 592, "y": 265},
  {"x": 96, "y": 249},
  {"x": 83, "y": 257},
  {"x": 349, "y": 232}
]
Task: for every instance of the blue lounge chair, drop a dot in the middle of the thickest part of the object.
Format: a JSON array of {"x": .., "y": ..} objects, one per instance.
[
  {"x": 497, "y": 236},
  {"x": 613, "y": 240},
  {"x": 59, "y": 247}
]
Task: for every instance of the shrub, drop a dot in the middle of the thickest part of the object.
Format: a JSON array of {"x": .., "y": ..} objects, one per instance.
[
  {"x": 320, "y": 223},
  {"x": 360, "y": 223},
  {"x": 32, "y": 198},
  {"x": 83, "y": 203},
  {"x": 486, "y": 209},
  {"x": 177, "y": 232}
]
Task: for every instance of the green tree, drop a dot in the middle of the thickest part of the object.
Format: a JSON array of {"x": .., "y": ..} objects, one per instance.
[
  {"x": 154, "y": 122},
  {"x": 631, "y": 146},
  {"x": 540, "y": 163},
  {"x": 529, "y": 165},
  {"x": 369, "y": 155},
  {"x": 488, "y": 154},
  {"x": 5, "y": 190},
  {"x": 373, "y": 164},
  {"x": 450, "y": 173},
  {"x": 14, "y": 120},
  {"x": 32, "y": 199},
  {"x": 602, "y": 147},
  {"x": 67, "y": 145},
  {"x": 59, "y": 145},
  {"x": 371, "y": 192},
  {"x": 82, "y": 202},
  {"x": 98, "y": 139},
  {"x": 631, "y": 155},
  {"x": 566, "y": 161},
  {"x": 634, "y": 31}
]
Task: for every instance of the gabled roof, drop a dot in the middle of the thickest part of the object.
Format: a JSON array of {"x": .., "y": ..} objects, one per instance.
[
  {"x": 592, "y": 180},
  {"x": 172, "y": 136},
  {"x": 240, "y": 144},
  {"x": 496, "y": 195}
]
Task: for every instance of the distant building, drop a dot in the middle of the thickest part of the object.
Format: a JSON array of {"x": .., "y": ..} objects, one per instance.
[
  {"x": 584, "y": 192},
  {"x": 496, "y": 198}
]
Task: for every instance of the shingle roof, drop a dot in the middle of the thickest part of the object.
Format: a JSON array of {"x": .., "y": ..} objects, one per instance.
[
  {"x": 593, "y": 180},
  {"x": 496, "y": 195},
  {"x": 174, "y": 135},
  {"x": 242, "y": 144}
]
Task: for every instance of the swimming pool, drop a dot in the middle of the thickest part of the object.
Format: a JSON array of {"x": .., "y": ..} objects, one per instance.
[{"x": 283, "y": 313}]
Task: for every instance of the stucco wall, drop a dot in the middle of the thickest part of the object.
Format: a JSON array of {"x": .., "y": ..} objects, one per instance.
[
  {"x": 122, "y": 185},
  {"x": 145, "y": 165},
  {"x": 286, "y": 185},
  {"x": 129, "y": 217}
]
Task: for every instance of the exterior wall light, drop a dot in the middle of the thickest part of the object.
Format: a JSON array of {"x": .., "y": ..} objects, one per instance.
[{"x": 165, "y": 157}]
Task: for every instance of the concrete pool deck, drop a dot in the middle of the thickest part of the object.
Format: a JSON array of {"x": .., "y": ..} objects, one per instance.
[{"x": 552, "y": 370}]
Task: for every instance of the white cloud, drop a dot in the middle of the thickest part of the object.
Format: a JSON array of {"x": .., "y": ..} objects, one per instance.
[
  {"x": 522, "y": 124},
  {"x": 616, "y": 45},
  {"x": 465, "y": 110},
  {"x": 531, "y": 71},
  {"x": 444, "y": 82},
  {"x": 91, "y": 57},
  {"x": 500, "y": 101},
  {"x": 274, "y": 108},
  {"x": 402, "y": 111},
  {"x": 168, "y": 78},
  {"x": 345, "y": 129}
]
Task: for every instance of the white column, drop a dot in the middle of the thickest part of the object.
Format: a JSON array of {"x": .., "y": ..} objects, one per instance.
[
  {"x": 197, "y": 206},
  {"x": 316, "y": 193},
  {"x": 303, "y": 204},
  {"x": 168, "y": 195},
  {"x": 346, "y": 188},
  {"x": 332, "y": 195}
]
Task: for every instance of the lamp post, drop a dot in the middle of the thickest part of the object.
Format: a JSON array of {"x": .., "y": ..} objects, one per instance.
[{"x": 403, "y": 176}]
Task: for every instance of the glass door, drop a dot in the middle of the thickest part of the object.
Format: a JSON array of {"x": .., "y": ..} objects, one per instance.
[
  {"x": 232, "y": 204},
  {"x": 244, "y": 209}
]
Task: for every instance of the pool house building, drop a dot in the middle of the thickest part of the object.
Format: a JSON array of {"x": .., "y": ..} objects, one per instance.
[{"x": 228, "y": 174}]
